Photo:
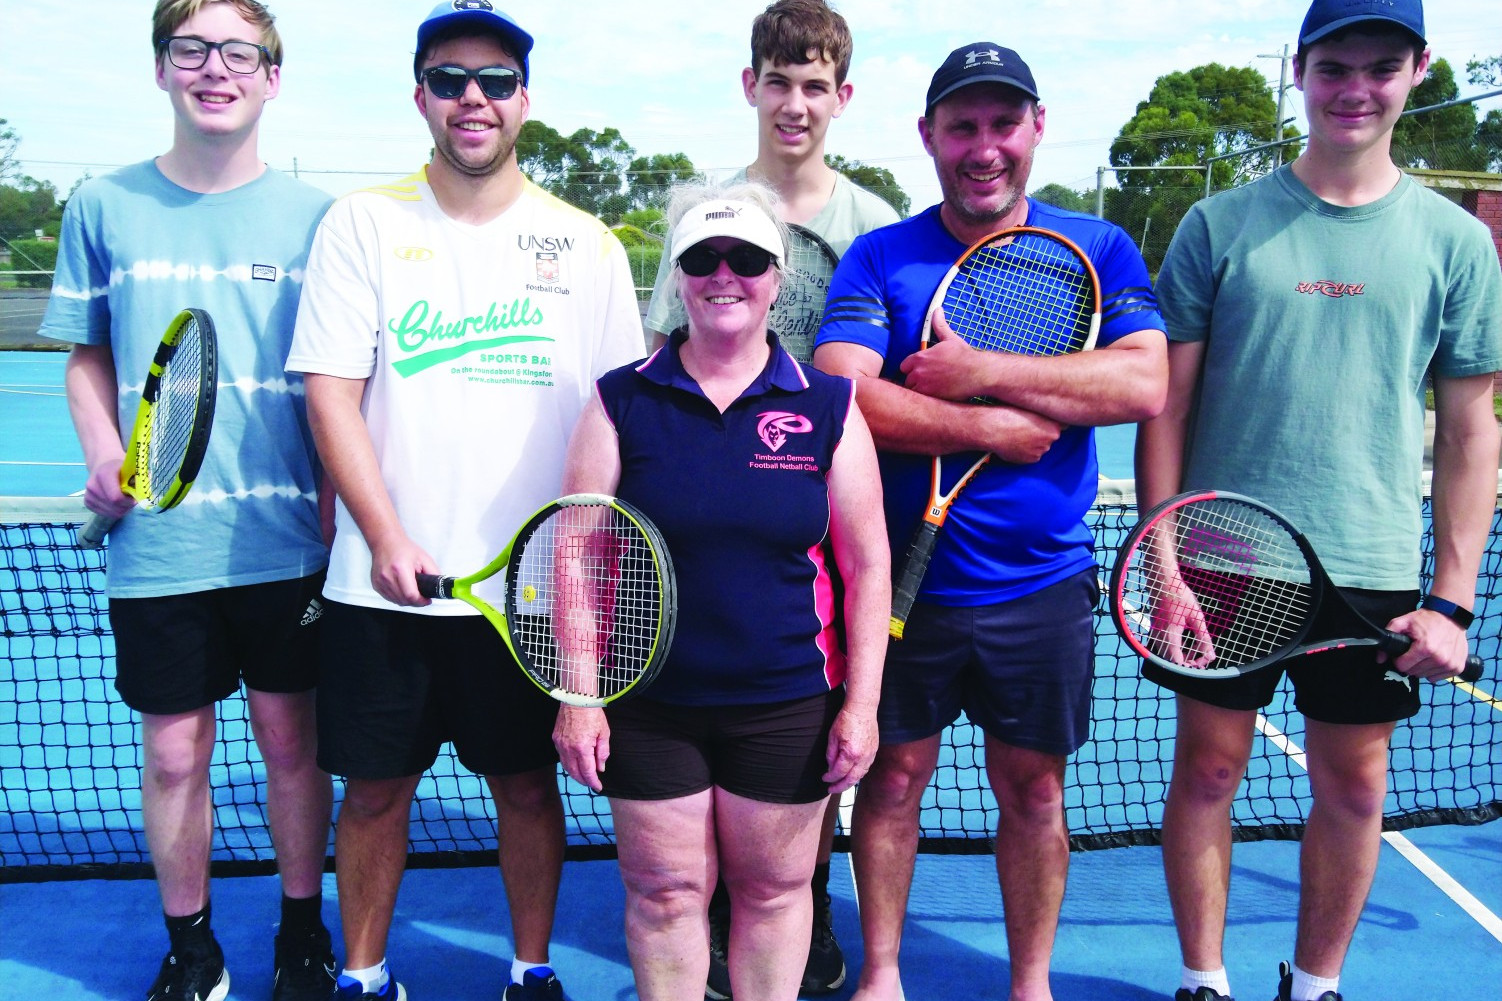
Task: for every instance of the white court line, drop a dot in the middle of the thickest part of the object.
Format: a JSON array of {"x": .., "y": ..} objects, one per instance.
[
  {"x": 1426, "y": 866},
  {"x": 22, "y": 462}
]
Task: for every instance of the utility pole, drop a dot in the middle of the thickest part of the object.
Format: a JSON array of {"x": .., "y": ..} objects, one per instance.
[{"x": 1282, "y": 89}]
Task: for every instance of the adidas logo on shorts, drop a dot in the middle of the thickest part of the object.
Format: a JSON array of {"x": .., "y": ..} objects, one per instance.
[{"x": 312, "y": 613}]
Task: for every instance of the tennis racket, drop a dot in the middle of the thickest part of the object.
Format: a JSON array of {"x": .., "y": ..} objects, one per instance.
[
  {"x": 1213, "y": 584},
  {"x": 799, "y": 308},
  {"x": 1022, "y": 290},
  {"x": 171, "y": 432},
  {"x": 588, "y": 599}
]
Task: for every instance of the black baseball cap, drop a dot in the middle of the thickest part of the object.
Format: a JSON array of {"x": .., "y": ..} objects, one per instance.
[{"x": 980, "y": 62}]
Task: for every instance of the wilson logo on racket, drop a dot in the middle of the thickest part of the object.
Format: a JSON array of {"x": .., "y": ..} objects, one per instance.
[{"x": 775, "y": 426}]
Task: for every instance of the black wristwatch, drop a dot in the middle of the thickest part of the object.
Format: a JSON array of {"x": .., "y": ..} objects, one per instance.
[{"x": 1462, "y": 617}]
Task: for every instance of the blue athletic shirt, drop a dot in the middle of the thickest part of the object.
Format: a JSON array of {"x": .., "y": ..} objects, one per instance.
[
  {"x": 742, "y": 499},
  {"x": 135, "y": 249},
  {"x": 1015, "y": 529}
]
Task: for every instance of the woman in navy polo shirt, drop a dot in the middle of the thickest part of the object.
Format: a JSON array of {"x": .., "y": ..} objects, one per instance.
[{"x": 762, "y": 475}]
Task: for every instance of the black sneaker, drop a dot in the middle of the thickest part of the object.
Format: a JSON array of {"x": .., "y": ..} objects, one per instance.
[
  {"x": 539, "y": 984},
  {"x": 824, "y": 972},
  {"x": 305, "y": 968},
  {"x": 1200, "y": 994},
  {"x": 717, "y": 984},
  {"x": 1285, "y": 986},
  {"x": 191, "y": 978}
]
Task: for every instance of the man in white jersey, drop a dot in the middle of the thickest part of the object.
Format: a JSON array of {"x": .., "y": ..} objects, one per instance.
[
  {"x": 452, "y": 330},
  {"x": 1262, "y": 288},
  {"x": 223, "y": 588}
]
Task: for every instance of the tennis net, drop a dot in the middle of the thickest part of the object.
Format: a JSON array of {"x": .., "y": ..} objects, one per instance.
[{"x": 70, "y": 770}]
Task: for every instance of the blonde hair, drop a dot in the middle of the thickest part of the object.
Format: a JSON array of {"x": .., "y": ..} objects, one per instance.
[{"x": 173, "y": 14}]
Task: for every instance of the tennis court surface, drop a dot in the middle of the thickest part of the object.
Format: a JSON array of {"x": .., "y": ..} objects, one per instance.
[{"x": 82, "y": 921}]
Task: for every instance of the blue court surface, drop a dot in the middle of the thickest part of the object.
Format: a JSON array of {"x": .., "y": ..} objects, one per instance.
[{"x": 69, "y": 788}]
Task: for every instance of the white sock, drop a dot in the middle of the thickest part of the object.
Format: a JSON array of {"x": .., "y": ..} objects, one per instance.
[
  {"x": 521, "y": 966},
  {"x": 372, "y": 978},
  {"x": 1216, "y": 980},
  {"x": 1308, "y": 987}
]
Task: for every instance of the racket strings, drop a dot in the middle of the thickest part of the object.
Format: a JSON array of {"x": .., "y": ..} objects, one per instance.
[
  {"x": 1217, "y": 583},
  {"x": 588, "y": 601},
  {"x": 799, "y": 306},
  {"x": 174, "y": 414},
  {"x": 1031, "y": 296}
]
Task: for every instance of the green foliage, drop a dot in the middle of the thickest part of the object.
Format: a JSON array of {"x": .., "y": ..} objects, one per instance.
[
  {"x": 1438, "y": 140},
  {"x": 1065, "y": 198},
  {"x": 1188, "y": 118},
  {"x": 877, "y": 180},
  {"x": 648, "y": 220},
  {"x": 630, "y": 236},
  {"x": 598, "y": 172},
  {"x": 27, "y": 206},
  {"x": 10, "y": 141},
  {"x": 644, "y": 260},
  {"x": 33, "y": 255},
  {"x": 1485, "y": 72}
]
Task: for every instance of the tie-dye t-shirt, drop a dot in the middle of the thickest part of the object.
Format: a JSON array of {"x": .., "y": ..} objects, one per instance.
[{"x": 136, "y": 249}]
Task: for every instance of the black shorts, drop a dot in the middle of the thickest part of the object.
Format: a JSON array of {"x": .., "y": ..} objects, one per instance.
[
  {"x": 1020, "y": 670},
  {"x": 181, "y": 652},
  {"x": 395, "y": 686},
  {"x": 1335, "y": 686},
  {"x": 771, "y": 753}
]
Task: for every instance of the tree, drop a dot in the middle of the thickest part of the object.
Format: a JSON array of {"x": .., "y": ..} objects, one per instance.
[
  {"x": 877, "y": 180},
  {"x": 1488, "y": 73},
  {"x": 1444, "y": 139},
  {"x": 598, "y": 172},
  {"x": 10, "y": 141},
  {"x": 1188, "y": 119},
  {"x": 26, "y": 207},
  {"x": 1065, "y": 198}
]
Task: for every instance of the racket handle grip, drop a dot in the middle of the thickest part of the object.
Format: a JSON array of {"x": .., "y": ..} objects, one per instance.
[
  {"x": 431, "y": 585},
  {"x": 905, "y": 588},
  {"x": 91, "y": 536},
  {"x": 1396, "y": 644}
]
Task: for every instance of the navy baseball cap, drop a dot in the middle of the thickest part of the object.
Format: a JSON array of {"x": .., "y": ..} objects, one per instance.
[
  {"x": 1328, "y": 16},
  {"x": 980, "y": 62},
  {"x": 480, "y": 16}
]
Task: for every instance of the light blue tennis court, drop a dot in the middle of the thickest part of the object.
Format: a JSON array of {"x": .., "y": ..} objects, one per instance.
[{"x": 69, "y": 776}]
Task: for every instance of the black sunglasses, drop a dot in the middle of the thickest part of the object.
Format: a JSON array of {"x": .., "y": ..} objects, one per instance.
[
  {"x": 449, "y": 82},
  {"x": 745, "y": 259}
]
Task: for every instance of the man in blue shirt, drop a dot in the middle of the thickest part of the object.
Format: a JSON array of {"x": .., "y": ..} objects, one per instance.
[{"x": 1002, "y": 627}]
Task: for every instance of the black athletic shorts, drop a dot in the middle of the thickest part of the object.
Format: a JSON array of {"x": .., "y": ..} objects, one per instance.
[
  {"x": 771, "y": 753},
  {"x": 1335, "y": 686},
  {"x": 393, "y": 687},
  {"x": 181, "y": 652}
]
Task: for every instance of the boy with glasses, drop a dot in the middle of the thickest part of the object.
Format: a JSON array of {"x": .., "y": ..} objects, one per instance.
[
  {"x": 452, "y": 330},
  {"x": 222, "y": 609}
]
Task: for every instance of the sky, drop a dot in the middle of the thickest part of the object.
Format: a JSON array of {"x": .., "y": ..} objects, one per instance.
[{"x": 76, "y": 78}]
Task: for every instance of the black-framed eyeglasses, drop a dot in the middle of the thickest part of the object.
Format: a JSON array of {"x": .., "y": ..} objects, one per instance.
[
  {"x": 189, "y": 53},
  {"x": 448, "y": 82},
  {"x": 745, "y": 259}
]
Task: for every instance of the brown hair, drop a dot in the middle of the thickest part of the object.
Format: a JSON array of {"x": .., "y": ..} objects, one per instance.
[
  {"x": 1372, "y": 29},
  {"x": 801, "y": 31},
  {"x": 173, "y": 14}
]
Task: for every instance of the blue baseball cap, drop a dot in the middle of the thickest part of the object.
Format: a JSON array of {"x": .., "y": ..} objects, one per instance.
[
  {"x": 480, "y": 16},
  {"x": 1326, "y": 17},
  {"x": 979, "y": 62}
]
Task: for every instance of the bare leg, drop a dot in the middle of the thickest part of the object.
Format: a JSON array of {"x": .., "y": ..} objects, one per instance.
[
  {"x": 299, "y": 795},
  {"x": 884, "y": 838},
  {"x": 371, "y": 852},
  {"x": 1032, "y": 859},
  {"x": 176, "y": 805},
  {"x": 529, "y": 829},
  {"x": 1210, "y": 757},
  {"x": 1343, "y": 838}
]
